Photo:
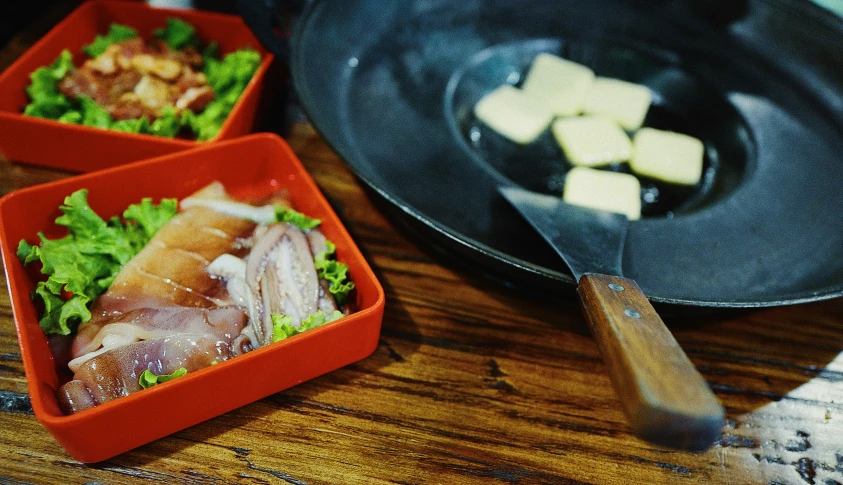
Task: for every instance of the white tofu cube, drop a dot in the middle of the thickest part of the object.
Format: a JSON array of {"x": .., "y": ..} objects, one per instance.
[
  {"x": 668, "y": 156},
  {"x": 591, "y": 141},
  {"x": 603, "y": 190},
  {"x": 559, "y": 84},
  {"x": 512, "y": 114},
  {"x": 625, "y": 102}
]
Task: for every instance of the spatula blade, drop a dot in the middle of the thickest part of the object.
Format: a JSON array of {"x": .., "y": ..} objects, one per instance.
[{"x": 590, "y": 241}]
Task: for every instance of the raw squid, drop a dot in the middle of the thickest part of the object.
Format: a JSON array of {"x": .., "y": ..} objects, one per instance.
[
  {"x": 170, "y": 270},
  {"x": 202, "y": 291},
  {"x": 115, "y": 373}
]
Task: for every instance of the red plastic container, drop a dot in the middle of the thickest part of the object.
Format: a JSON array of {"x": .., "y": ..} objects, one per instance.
[
  {"x": 254, "y": 165},
  {"x": 82, "y": 148}
]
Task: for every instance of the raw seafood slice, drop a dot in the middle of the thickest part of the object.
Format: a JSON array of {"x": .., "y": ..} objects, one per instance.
[
  {"x": 281, "y": 279},
  {"x": 203, "y": 290},
  {"x": 163, "y": 307},
  {"x": 169, "y": 271},
  {"x": 279, "y": 276},
  {"x": 115, "y": 373},
  {"x": 223, "y": 323}
]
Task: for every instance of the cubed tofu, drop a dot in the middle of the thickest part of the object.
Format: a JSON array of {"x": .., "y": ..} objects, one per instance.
[
  {"x": 604, "y": 190},
  {"x": 559, "y": 84},
  {"x": 624, "y": 102},
  {"x": 512, "y": 114},
  {"x": 592, "y": 141},
  {"x": 668, "y": 156}
]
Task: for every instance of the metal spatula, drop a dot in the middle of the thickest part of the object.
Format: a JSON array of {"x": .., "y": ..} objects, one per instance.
[{"x": 665, "y": 399}]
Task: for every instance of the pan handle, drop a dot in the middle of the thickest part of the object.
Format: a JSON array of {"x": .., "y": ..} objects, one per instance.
[
  {"x": 665, "y": 399},
  {"x": 268, "y": 19}
]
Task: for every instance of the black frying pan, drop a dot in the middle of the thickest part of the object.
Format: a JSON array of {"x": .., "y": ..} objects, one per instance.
[{"x": 390, "y": 86}]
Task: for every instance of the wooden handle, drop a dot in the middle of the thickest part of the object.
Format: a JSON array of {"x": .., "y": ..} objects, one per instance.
[{"x": 666, "y": 400}]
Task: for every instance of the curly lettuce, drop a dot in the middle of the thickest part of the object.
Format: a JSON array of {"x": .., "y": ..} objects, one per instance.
[
  {"x": 296, "y": 218},
  {"x": 178, "y": 34},
  {"x": 47, "y": 101},
  {"x": 282, "y": 325},
  {"x": 116, "y": 33},
  {"x": 147, "y": 379},
  {"x": 334, "y": 272},
  {"x": 228, "y": 78},
  {"x": 83, "y": 264}
]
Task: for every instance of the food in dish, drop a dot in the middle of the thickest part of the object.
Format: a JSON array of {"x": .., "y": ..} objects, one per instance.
[
  {"x": 217, "y": 279},
  {"x": 665, "y": 155},
  {"x": 165, "y": 86},
  {"x": 604, "y": 190},
  {"x": 513, "y": 114},
  {"x": 559, "y": 84},
  {"x": 592, "y": 141},
  {"x": 623, "y": 102},
  {"x": 594, "y": 119}
]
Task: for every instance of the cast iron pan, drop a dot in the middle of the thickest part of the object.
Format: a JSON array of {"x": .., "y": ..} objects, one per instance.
[{"x": 390, "y": 86}]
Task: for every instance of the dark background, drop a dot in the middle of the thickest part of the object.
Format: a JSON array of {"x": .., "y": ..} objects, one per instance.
[{"x": 16, "y": 14}]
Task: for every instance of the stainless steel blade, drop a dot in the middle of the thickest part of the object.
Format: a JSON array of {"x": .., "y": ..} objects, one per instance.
[{"x": 590, "y": 241}]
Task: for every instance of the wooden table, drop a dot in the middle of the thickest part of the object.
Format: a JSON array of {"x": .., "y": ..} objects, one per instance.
[{"x": 471, "y": 383}]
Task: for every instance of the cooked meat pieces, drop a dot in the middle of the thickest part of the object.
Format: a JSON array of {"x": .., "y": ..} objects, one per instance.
[{"x": 133, "y": 79}]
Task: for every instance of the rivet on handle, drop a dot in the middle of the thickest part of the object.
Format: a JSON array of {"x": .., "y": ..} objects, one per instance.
[
  {"x": 616, "y": 287},
  {"x": 631, "y": 313}
]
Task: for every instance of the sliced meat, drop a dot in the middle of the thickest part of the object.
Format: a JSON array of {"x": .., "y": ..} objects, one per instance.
[
  {"x": 169, "y": 271},
  {"x": 224, "y": 323},
  {"x": 132, "y": 79},
  {"x": 84, "y": 81},
  {"x": 115, "y": 373},
  {"x": 282, "y": 280},
  {"x": 195, "y": 99},
  {"x": 166, "y": 69}
]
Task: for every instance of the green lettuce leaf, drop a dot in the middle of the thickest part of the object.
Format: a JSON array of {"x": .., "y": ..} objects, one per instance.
[
  {"x": 147, "y": 379},
  {"x": 282, "y": 325},
  {"x": 211, "y": 52},
  {"x": 71, "y": 116},
  {"x": 168, "y": 125},
  {"x": 233, "y": 72},
  {"x": 303, "y": 222},
  {"x": 177, "y": 34},
  {"x": 228, "y": 78},
  {"x": 59, "y": 313},
  {"x": 93, "y": 114},
  {"x": 137, "y": 125},
  {"x": 46, "y": 100},
  {"x": 151, "y": 217},
  {"x": 209, "y": 122},
  {"x": 334, "y": 272},
  {"x": 84, "y": 263},
  {"x": 116, "y": 33}
]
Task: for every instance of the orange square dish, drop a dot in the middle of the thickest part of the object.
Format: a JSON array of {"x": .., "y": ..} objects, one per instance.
[
  {"x": 251, "y": 166},
  {"x": 82, "y": 148}
]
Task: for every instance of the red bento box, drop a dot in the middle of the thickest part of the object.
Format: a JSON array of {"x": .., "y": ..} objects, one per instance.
[
  {"x": 254, "y": 165},
  {"x": 81, "y": 148}
]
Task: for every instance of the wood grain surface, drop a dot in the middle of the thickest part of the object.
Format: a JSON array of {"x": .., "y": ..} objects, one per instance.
[{"x": 472, "y": 382}]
